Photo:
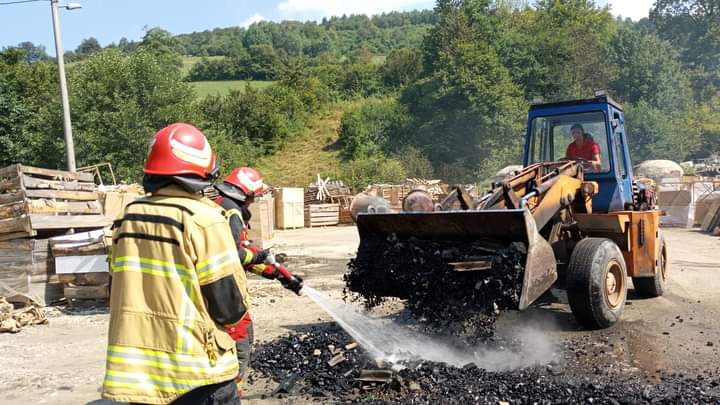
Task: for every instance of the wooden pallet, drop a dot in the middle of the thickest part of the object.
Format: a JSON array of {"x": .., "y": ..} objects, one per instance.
[
  {"x": 322, "y": 215},
  {"x": 34, "y": 199}
]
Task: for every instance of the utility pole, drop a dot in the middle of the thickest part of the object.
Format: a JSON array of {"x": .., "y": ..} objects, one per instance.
[{"x": 67, "y": 124}]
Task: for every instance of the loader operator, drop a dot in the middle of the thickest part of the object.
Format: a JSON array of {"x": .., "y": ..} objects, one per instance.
[
  {"x": 179, "y": 291},
  {"x": 237, "y": 192},
  {"x": 584, "y": 147}
]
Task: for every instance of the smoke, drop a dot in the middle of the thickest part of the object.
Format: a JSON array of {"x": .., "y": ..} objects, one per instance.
[{"x": 387, "y": 341}]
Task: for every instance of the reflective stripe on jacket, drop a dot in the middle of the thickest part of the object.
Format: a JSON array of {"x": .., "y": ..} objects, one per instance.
[{"x": 162, "y": 341}]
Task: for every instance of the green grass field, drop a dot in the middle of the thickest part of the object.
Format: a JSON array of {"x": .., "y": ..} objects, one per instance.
[{"x": 221, "y": 87}]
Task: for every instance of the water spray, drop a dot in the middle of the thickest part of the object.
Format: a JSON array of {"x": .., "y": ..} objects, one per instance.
[{"x": 388, "y": 341}]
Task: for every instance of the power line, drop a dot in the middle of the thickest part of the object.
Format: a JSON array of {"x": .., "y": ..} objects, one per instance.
[{"x": 18, "y": 2}]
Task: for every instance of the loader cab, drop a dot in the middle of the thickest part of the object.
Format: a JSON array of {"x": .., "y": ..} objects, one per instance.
[{"x": 549, "y": 136}]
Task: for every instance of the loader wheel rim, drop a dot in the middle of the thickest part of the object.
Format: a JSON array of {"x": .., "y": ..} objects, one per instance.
[{"x": 614, "y": 285}]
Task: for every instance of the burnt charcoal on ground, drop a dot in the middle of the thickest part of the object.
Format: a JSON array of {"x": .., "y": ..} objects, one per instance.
[
  {"x": 299, "y": 363},
  {"x": 418, "y": 271}
]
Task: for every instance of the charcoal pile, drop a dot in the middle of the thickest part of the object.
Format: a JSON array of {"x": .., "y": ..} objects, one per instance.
[
  {"x": 432, "y": 383},
  {"x": 302, "y": 365},
  {"x": 323, "y": 362},
  {"x": 419, "y": 272}
]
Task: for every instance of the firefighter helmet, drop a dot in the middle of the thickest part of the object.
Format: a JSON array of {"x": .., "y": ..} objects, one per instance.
[
  {"x": 242, "y": 183},
  {"x": 179, "y": 150}
]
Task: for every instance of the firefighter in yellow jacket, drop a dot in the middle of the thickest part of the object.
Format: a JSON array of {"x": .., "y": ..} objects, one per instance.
[{"x": 178, "y": 289}]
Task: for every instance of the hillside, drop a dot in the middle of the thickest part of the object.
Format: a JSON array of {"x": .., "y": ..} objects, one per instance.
[{"x": 308, "y": 153}]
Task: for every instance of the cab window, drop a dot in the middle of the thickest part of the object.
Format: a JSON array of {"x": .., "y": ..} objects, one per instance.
[{"x": 551, "y": 138}]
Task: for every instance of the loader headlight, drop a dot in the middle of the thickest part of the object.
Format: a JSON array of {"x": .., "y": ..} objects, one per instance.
[{"x": 590, "y": 189}]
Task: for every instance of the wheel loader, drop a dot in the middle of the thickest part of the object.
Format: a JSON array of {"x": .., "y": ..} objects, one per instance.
[{"x": 586, "y": 226}]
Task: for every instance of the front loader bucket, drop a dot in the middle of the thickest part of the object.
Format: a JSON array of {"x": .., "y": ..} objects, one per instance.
[{"x": 495, "y": 229}]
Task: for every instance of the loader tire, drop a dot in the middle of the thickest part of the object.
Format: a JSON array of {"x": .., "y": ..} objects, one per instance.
[
  {"x": 596, "y": 283},
  {"x": 652, "y": 287}
]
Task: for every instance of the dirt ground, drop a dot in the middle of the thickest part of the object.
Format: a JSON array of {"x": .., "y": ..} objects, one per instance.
[{"x": 63, "y": 362}]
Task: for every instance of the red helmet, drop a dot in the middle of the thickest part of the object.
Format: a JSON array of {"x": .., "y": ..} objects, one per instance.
[
  {"x": 181, "y": 149},
  {"x": 242, "y": 183},
  {"x": 247, "y": 179}
]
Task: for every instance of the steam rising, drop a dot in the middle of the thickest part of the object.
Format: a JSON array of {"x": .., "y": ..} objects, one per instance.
[{"x": 395, "y": 343}]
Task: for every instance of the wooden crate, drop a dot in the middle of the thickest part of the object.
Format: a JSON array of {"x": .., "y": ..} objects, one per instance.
[
  {"x": 322, "y": 215},
  {"x": 289, "y": 208},
  {"x": 262, "y": 223},
  {"x": 34, "y": 199}
]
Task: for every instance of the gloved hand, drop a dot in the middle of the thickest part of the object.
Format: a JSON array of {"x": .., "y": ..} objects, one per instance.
[
  {"x": 287, "y": 279},
  {"x": 239, "y": 330},
  {"x": 294, "y": 283}
]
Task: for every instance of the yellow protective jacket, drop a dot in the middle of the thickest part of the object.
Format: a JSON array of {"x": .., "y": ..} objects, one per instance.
[{"x": 162, "y": 341}]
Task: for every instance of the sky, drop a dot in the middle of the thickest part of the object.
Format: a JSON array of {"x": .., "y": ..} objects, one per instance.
[{"x": 108, "y": 21}]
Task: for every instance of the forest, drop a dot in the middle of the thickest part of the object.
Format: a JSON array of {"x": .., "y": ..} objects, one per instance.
[{"x": 437, "y": 93}]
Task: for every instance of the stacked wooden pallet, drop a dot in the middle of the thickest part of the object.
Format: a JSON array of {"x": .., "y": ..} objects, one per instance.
[
  {"x": 712, "y": 219},
  {"x": 81, "y": 265},
  {"x": 27, "y": 268},
  {"x": 322, "y": 215},
  {"x": 42, "y": 201}
]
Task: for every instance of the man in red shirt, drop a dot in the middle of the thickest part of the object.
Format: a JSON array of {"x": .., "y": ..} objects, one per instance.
[{"x": 583, "y": 147}]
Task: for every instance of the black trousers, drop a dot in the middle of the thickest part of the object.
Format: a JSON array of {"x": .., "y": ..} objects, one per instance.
[
  {"x": 243, "y": 348},
  {"x": 224, "y": 393}
]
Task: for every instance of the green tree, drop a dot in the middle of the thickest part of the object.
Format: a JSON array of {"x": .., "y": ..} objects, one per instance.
[
  {"x": 33, "y": 53},
  {"x": 119, "y": 101},
  {"x": 402, "y": 66},
  {"x": 649, "y": 69},
  {"x": 693, "y": 26},
  {"x": 88, "y": 46},
  {"x": 30, "y": 113},
  {"x": 366, "y": 132}
]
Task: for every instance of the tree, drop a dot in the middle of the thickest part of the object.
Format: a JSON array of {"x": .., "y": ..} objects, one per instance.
[
  {"x": 30, "y": 113},
  {"x": 88, "y": 46},
  {"x": 401, "y": 67},
  {"x": 33, "y": 53},
  {"x": 367, "y": 131},
  {"x": 466, "y": 111},
  {"x": 693, "y": 26},
  {"x": 119, "y": 101},
  {"x": 649, "y": 69}
]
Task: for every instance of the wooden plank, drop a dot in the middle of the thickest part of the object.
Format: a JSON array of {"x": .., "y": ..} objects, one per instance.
[
  {"x": 11, "y": 184},
  {"x": 63, "y": 194},
  {"x": 10, "y": 171},
  {"x": 479, "y": 265},
  {"x": 68, "y": 221},
  {"x": 17, "y": 245},
  {"x": 94, "y": 249},
  {"x": 15, "y": 235},
  {"x": 13, "y": 225},
  {"x": 57, "y": 174},
  {"x": 35, "y": 183},
  {"x": 87, "y": 292},
  {"x": 43, "y": 206},
  {"x": 83, "y": 279},
  {"x": 8, "y": 198},
  {"x": 13, "y": 210}
]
